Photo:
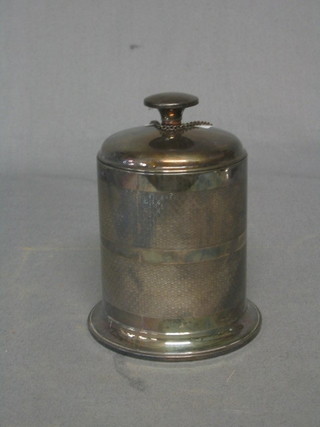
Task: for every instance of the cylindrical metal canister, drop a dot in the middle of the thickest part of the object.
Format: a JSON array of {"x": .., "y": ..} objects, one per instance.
[{"x": 172, "y": 202}]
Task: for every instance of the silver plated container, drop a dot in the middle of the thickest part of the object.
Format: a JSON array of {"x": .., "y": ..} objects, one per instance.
[{"x": 172, "y": 199}]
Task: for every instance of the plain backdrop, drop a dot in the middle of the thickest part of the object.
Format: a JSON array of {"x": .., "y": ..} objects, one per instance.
[{"x": 72, "y": 73}]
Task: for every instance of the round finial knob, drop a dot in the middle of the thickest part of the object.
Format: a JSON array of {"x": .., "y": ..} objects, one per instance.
[
  {"x": 171, "y": 100},
  {"x": 171, "y": 105}
]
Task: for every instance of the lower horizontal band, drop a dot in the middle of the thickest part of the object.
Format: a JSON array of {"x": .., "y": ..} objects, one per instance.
[
  {"x": 175, "y": 326},
  {"x": 176, "y": 256}
]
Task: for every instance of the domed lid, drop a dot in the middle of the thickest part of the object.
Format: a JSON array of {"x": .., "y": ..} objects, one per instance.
[{"x": 171, "y": 146}]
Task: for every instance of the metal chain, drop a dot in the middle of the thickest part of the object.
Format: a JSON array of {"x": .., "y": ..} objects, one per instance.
[{"x": 183, "y": 126}]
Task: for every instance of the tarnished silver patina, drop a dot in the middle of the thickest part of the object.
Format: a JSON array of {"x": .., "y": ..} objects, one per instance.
[{"x": 173, "y": 239}]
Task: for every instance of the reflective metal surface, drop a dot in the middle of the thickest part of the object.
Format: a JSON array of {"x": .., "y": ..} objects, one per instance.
[
  {"x": 174, "y": 346},
  {"x": 146, "y": 149},
  {"x": 173, "y": 242}
]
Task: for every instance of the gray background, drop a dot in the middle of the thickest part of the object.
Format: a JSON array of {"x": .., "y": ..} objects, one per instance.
[{"x": 74, "y": 72}]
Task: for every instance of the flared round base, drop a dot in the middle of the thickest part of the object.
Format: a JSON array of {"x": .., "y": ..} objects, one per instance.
[{"x": 173, "y": 346}]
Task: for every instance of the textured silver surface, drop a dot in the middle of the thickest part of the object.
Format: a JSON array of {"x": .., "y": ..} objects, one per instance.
[
  {"x": 165, "y": 217},
  {"x": 173, "y": 290},
  {"x": 173, "y": 253}
]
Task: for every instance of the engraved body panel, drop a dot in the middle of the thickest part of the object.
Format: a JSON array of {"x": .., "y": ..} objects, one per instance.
[{"x": 173, "y": 246}]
